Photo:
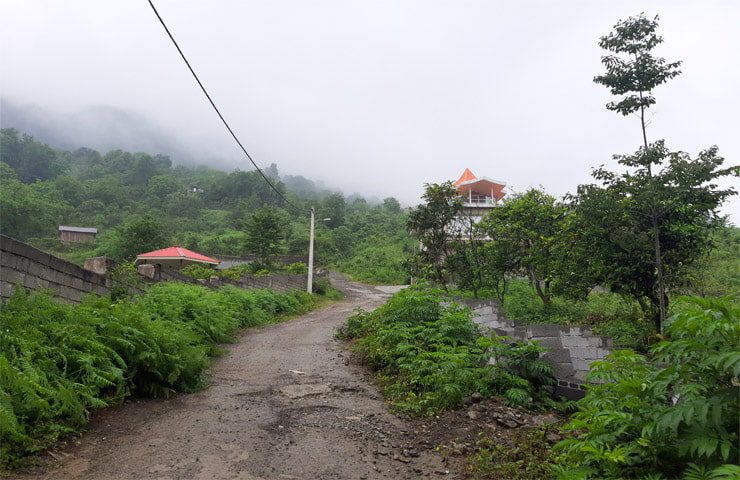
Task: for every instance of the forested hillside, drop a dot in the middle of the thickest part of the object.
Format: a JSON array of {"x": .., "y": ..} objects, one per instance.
[{"x": 141, "y": 201}]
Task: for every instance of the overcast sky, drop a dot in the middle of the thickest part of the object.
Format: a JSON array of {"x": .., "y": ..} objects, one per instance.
[{"x": 379, "y": 97}]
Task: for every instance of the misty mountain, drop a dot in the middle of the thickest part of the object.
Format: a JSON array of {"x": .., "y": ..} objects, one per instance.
[{"x": 102, "y": 128}]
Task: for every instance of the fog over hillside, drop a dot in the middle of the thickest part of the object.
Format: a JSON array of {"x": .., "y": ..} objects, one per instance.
[
  {"x": 106, "y": 128},
  {"x": 371, "y": 97},
  {"x": 103, "y": 128}
]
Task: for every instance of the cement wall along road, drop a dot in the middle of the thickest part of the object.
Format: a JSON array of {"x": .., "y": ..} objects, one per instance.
[{"x": 571, "y": 348}]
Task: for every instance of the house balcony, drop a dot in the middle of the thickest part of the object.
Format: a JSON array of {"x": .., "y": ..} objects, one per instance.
[{"x": 480, "y": 202}]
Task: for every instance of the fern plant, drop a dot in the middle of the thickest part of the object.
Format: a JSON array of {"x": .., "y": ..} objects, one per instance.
[
  {"x": 673, "y": 412},
  {"x": 59, "y": 362},
  {"x": 430, "y": 355}
]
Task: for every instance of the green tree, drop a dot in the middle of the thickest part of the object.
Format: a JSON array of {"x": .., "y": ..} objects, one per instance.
[
  {"x": 392, "y": 205},
  {"x": 431, "y": 223},
  {"x": 30, "y": 159},
  {"x": 333, "y": 207},
  {"x": 139, "y": 234},
  {"x": 524, "y": 232},
  {"x": 266, "y": 229},
  {"x": 717, "y": 273},
  {"x": 648, "y": 223},
  {"x": 28, "y": 211}
]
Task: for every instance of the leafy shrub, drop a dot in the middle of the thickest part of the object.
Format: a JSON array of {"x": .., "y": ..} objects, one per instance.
[
  {"x": 297, "y": 268},
  {"x": 674, "y": 412},
  {"x": 321, "y": 285},
  {"x": 58, "y": 362},
  {"x": 524, "y": 378},
  {"x": 429, "y": 354},
  {"x": 199, "y": 271},
  {"x": 606, "y": 313}
]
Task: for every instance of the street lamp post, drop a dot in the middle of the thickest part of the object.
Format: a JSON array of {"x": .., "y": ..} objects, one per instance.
[{"x": 309, "y": 286}]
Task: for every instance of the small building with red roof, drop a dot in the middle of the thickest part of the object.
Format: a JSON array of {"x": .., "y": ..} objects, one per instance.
[{"x": 175, "y": 257}]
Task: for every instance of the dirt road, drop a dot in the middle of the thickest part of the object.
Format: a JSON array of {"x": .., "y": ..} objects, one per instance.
[{"x": 283, "y": 403}]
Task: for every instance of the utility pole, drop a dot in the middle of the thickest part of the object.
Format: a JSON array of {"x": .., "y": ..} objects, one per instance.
[{"x": 309, "y": 287}]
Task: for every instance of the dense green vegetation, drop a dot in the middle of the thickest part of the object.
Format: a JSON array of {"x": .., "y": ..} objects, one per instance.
[
  {"x": 617, "y": 255},
  {"x": 430, "y": 356},
  {"x": 59, "y": 362},
  {"x": 608, "y": 314},
  {"x": 647, "y": 233},
  {"x": 670, "y": 414},
  {"x": 140, "y": 202}
]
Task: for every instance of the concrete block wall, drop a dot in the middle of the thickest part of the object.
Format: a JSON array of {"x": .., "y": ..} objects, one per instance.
[
  {"x": 24, "y": 265},
  {"x": 277, "y": 282},
  {"x": 572, "y": 348},
  {"x": 228, "y": 261}
]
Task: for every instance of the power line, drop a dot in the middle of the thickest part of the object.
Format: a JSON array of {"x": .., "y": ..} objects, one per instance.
[{"x": 226, "y": 124}]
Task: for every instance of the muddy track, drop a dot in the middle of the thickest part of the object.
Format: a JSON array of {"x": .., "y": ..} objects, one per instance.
[{"x": 284, "y": 402}]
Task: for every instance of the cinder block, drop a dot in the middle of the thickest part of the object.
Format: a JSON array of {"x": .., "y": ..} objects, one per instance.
[
  {"x": 60, "y": 277},
  {"x": 29, "y": 281},
  {"x": 6, "y": 289},
  {"x": 21, "y": 263},
  {"x": 557, "y": 356},
  {"x": 569, "y": 393},
  {"x": 584, "y": 353},
  {"x": 78, "y": 284},
  {"x": 544, "y": 330},
  {"x": 70, "y": 294},
  {"x": 580, "y": 364},
  {"x": 570, "y": 341},
  {"x": 102, "y": 291},
  {"x": 12, "y": 276},
  {"x": 8, "y": 260},
  {"x": 550, "y": 342},
  {"x": 36, "y": 269},
  {"x": 563, "y": 371}
]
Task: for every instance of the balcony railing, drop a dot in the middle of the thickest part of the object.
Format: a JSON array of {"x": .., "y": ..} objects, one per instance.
[{"x": 478, "y": 202}]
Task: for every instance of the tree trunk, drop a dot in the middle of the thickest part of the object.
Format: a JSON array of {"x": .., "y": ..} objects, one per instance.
[
  {"x": 659, "y": 272},
  {"x": 660, "y": 318},
  {"x": 538, "y": 287}
]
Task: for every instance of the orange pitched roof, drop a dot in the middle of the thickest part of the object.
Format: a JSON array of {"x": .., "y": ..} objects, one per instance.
[
  {"x": 466, "y": 176},
  {"x": 176, "y": 252}
]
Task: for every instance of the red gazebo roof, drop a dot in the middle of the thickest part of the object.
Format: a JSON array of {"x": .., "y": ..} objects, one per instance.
[
  {"x": 177, "y": 253},
  {"x": 466, "y": 176},
  {"x": 482, "y": 185}
]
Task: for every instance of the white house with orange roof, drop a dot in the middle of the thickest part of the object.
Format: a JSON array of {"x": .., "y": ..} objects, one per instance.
[{"x": 479, "y": 194}]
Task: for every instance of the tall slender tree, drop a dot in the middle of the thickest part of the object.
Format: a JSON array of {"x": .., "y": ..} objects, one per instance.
[
  {"x": 633, "y": 71},
  {"x": 647, "y": 224}
]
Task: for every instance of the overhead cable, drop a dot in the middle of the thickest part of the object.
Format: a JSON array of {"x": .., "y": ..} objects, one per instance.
[{"x": 213, "y": 104}]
